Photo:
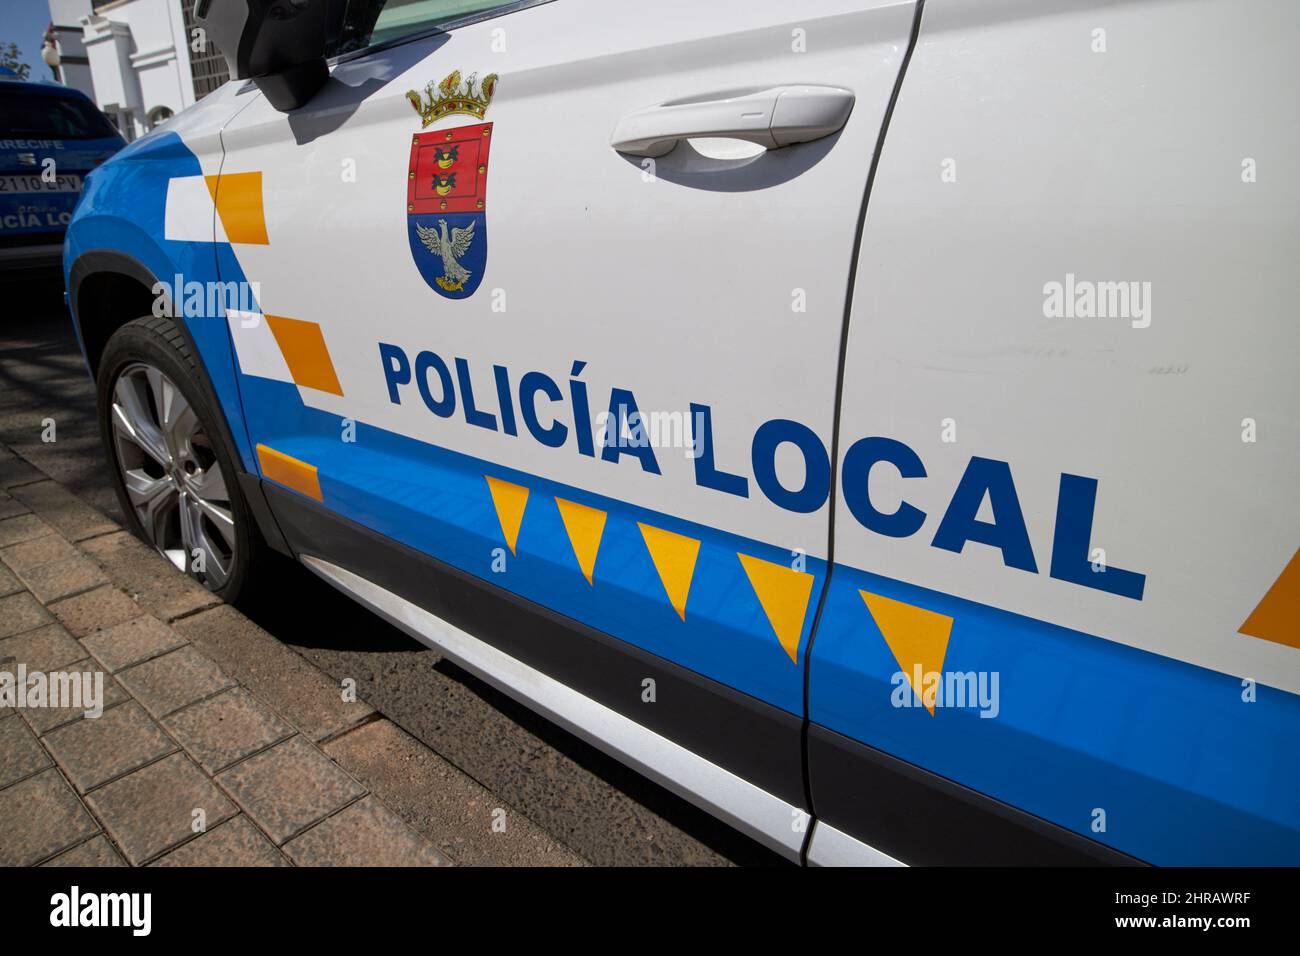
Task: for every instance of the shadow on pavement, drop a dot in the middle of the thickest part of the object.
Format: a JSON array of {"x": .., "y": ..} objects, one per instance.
[{"x": 335, "y": 630}]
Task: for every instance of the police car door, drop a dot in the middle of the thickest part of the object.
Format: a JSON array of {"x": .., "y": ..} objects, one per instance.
[
  {"x": 506, "y": 324},
  {"x": 1061, "y": 563}
]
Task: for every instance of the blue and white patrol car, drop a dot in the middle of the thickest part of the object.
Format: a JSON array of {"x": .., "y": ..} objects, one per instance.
[
  {"x": 873, "y": 419},
  {"x": 51, "y": 137}
]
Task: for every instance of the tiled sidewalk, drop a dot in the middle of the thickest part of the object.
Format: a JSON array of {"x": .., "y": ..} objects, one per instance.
[{"x": 217, "y": 744}]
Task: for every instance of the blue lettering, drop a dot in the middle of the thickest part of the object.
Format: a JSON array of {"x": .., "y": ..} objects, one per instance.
[
  {"x": 707, "y": 475},
  {"x": 581, "y": 411},
  {"x": 1076, "y": 502},
  {"x": 472, "y": 415},
  {"x": 503, "y": 399},
  {"x": 529, "y": 386},
  {"x": 623, "y": 408},
  {"x": 858, "y": 461},
  {"x": 446, "y": 405},
  {"x": 817, "y": 465},
  {"x": 1007, "y": 530},
  {"x": 397, "y": 369}
]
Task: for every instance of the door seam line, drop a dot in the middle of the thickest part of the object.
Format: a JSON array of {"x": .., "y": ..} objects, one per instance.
[{"x": 835, "y": 426}]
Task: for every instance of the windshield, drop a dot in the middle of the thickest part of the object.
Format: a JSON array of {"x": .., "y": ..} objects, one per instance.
[{"x": 27, "y": 115}]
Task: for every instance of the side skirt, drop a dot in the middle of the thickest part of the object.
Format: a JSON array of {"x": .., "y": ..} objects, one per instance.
[
  {"x": 736, "y": 756},
  {"x": 832, "y": 847},
  {"x": 926, "y": 820}
]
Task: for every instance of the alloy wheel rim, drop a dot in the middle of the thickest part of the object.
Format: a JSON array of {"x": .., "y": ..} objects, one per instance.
[{"x": 169, "y": 468}]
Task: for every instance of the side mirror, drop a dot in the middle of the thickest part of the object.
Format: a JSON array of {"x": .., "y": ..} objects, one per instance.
[{"x": 278, "y": 44}]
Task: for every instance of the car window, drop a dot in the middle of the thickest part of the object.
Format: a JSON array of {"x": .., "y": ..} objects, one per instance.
[
  {"x": 29, "y": 115},
  {"x": 371, "y": 22}
]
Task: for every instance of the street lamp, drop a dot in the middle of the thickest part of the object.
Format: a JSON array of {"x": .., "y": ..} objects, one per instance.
[{"x": 50, "y": 52}]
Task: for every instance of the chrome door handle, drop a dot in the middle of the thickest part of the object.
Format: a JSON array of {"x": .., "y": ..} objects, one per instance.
[{"x": 780, "y": 116}]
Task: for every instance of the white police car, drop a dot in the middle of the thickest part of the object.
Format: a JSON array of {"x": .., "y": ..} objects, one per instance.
[{"x": 874, "y": 420}]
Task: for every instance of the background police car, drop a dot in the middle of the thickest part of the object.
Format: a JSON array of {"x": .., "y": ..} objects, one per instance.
[{"x": 50, "y": 138}]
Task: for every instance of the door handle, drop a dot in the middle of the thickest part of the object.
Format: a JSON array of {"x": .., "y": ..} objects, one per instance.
[{"x": 776, "y": 117}]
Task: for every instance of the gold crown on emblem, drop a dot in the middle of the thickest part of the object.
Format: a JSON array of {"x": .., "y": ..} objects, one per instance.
[{"x": 453, "y": 96}]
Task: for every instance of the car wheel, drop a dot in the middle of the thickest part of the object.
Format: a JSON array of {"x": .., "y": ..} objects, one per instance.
[{"x": 174, "y": 473}]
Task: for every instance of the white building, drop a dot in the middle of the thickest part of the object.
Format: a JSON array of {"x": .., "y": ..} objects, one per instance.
[{"x": 135, "y": 58}]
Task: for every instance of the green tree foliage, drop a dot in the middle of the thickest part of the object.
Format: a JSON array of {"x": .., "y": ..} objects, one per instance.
[{"x": 11, "y": 57}]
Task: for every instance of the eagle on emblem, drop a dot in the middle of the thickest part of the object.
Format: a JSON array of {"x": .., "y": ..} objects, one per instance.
[{"x": 449, "y": 249}]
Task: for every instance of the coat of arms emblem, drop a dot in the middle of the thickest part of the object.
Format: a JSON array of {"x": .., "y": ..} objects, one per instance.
[{"x": 446, "y": 189}]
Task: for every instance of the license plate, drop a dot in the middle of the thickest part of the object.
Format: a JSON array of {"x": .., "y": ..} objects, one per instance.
[{"x": 69, "y": 183}]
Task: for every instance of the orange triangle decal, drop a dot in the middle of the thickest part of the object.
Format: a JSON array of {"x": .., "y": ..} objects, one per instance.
[
  {"x": 509, "y": 501},
  {"x": 584, "y": 525},
  {"x": 914, "y": 635},
  {"x": 783, "y": 592},
  {"x": 1277, "y": 617},
  {"x": 674, "y": 558}
]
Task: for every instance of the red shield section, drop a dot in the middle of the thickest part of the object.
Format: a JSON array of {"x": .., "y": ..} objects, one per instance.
[{"x": 448, "y": 171}]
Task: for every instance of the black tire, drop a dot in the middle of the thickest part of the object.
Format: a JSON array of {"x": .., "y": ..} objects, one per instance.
[{"x": 157, "y": 342}]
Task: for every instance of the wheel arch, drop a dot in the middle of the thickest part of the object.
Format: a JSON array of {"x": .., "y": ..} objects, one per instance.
[{"x": 106, "y": 290}]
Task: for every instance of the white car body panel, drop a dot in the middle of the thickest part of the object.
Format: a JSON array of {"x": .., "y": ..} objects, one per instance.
[{"x": 1112, "y": 166}]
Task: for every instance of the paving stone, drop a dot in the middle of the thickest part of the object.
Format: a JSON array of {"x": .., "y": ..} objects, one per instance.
[
  {"x": 60, "y": 579},
  {"x": 46, "y": 648},
  {"x": 96, "y": 610},
  {"x": 298, "y": 691},
  {"x": 365, "y": 834},
  {"x": 226, "y": 728},
  {"x": 15, "y": 471},
  {"x": 289, "y": 787},
  {"x": 22, "y": 528},
  {"x": 152, "y": 810},
  {"x": 177, "y": 678},
  {"x": 11, "y": 506},
  {"x": 447, "y": 806},
  {"x": 21, "y": 755},
  {"x": 235, "y": 843},
  {"x": 38, "y": 818},
  {"x": 71, "y": 516},
  {"x": 34, "y": 552},
  {"x": 20, "y": 612},
  {"x": 92, "y": 752},
  {"x": 122, "y": 645},
  {"x": 44, "y": 719},
  {"x": 154, "y": 582},
  {"x": 8, "y": 583},
  {"x": 96, "y": 852}
]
